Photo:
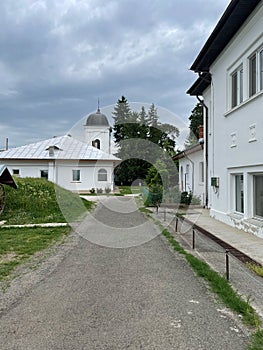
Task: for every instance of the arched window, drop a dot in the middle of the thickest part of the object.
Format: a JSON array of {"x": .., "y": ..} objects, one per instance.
[
  {"x": 96, "y": 143},
  {"x": 102, "y": 175}
]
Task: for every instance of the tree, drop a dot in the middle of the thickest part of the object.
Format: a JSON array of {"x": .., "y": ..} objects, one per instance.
[
  {"x": 196, "y": 119},
  {"x": 135, "y": 136}
]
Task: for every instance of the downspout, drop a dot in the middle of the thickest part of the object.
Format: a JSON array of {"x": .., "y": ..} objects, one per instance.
[{"x": 206, "y": 149}]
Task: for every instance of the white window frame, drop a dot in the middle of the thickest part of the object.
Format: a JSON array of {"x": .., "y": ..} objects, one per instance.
[
  {"x": 254, "y": 196},
  {"x": 102, "y": 175},
  {"x": 242, "y": 199},
  {"x": 258, "y": 56},
  {"x": 75, "y": 175},
  {"x": 16, "y": 172},
  {"x": 201, "y": 172},
  {"x": 238, "y": 89}
]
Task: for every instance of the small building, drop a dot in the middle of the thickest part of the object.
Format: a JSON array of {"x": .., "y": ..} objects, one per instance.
[
  {"x": 5, "y": 179},
  {"x": 230, "y": 86},
  {"x": 191, "y": 171},
  {"x": 73, "y": 164}
]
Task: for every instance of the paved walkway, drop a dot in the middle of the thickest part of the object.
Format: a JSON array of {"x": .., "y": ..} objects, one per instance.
[
  {"x": 246, "y": 282},
  {"x": 143, "y": 296}
]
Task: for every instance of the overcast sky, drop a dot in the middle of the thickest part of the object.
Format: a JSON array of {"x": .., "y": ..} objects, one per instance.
[{"x": 58, "y": 56}]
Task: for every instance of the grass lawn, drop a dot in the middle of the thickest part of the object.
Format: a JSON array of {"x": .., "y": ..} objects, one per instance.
[
  {"x": 130, "y": 189},
  {"x": 40, "y": 201},
  {"x": 19, "y": 244}
]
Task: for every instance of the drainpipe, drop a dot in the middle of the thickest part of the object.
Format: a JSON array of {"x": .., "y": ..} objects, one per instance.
[{"x": 206, "y": 148}]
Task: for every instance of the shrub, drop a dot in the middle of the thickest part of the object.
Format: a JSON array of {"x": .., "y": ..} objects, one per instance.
[
  {"x": 92, "y": 190},
  {"x": 99, "y": 190},
  {"x": 107, "y": 190}
]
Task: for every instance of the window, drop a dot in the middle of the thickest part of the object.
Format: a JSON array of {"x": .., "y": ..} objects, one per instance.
[
  {"x": 258, "y": 195},
  {"x": 96, "y": 143},
  {"x": 201, "y": 172},
  {"x": 239, "y": 189},
  {"x": 256, "y": 72},
  {"x": 44, "y": 174},
  {"x": 75, "y": 175},
  {"x": 237, "y": 87},
  {"x": 102, "y": 175},
  {"x": 16, "y": 172}
]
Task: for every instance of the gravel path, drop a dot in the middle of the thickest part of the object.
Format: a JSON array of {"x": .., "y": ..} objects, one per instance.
[{"x": 144, "y": 296}]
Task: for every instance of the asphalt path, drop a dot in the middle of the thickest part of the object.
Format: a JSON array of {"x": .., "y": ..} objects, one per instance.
[{"x": 104, "y": 296}]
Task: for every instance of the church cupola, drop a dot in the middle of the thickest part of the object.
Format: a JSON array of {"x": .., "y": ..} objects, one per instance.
[{"x": 98, "y": 131}]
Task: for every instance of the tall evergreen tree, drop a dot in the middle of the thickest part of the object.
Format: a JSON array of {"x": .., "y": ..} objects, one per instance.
[
  {"x": 196, "y": 119},
  {"x": 138, "y": 155}
]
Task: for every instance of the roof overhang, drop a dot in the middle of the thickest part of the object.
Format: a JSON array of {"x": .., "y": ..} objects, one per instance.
[
  {"x": 199, "y": 86},
  {"x": 188, "y": 151},
  {"x": 6, "y": 178},
  {"x": 231, "y": 21}
]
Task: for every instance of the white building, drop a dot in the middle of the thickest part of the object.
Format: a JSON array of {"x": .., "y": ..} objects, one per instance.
[
  {"x": 230, "y": 68},
  {"x": 191, "y": 171},
  {"x": 66, "y": 161}
]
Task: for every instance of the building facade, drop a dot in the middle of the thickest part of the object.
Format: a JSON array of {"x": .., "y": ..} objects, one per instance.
[
  {"x": 75, "y": 165},
  {"x": 191, "y": 171},
  {"x": 230, "y": 68}
]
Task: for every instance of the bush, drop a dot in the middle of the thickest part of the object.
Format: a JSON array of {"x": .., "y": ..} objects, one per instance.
[
  {"x": 107, "y": 190},
  {"x": 186, "y": 197},
  {"x": 92, "y": 190},
  {"x": 99, "y": 190}
]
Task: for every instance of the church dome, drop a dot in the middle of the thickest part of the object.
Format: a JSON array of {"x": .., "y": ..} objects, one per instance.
[{"x": 97, "y": 119}]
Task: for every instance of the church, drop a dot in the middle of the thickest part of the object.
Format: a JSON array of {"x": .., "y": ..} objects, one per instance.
[{"x": 73, "y": 164}]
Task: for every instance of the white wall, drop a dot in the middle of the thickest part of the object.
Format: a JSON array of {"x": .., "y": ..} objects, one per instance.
[
  {"x": 61, "y": 172},
  {"x": 190, "y": 176},
  {"x": 101, "y": 133},
  {"x": 232, "y": 147}
]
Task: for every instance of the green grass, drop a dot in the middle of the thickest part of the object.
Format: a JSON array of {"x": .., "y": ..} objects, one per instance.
[
  {"x": 40, "y": 201},
  {"x": 130, "y": 189},
  {"x": 225, "y": 292},
  {"x": 256, "y": 268},
  {"x": 19, "y": 244},
  {"x": 145, "y": 210},
  {"x": 257, "y": 341}
]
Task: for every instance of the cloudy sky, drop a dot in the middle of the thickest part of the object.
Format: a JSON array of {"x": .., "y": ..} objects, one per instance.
[{"x": 58, "y": 56}]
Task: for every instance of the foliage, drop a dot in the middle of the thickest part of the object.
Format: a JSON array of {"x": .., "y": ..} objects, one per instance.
[
  {"x": 140, "y": 139},
  {"x": 186, "y": 198},
  {"x": 107, "y": 190},
  {"x": 92, "y": 190},
  {"x": 196, "y": 119},
  {"x": 99, "y": 190},
  {"x": 19, "y": 244},
  {"x": 40, "y": 201}
]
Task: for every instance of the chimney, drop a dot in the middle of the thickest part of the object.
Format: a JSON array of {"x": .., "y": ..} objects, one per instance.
[
  {"x": 6, "y": 144},
  {"x": 201, "y": 133}
]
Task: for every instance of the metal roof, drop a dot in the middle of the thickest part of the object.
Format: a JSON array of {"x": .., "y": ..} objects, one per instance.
[
  {"x": 6, "y": 178},
  {"x": 65, "y": 148},
  {"x": 97, "y": 119},
  {"x": 233, "y": 18},
  {"x": 195, "y": 148}
]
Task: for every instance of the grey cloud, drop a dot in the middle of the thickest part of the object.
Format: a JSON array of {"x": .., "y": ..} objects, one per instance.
[{"x": 57, "y": 57}]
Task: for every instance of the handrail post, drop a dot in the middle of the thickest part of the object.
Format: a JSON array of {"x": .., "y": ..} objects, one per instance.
[
  {"x": 227, "y": 264},
  {"x": 193, "y": 241}
]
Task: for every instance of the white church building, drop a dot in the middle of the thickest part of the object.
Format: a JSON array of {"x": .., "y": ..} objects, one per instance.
[{"x": 73, "y": 164}]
